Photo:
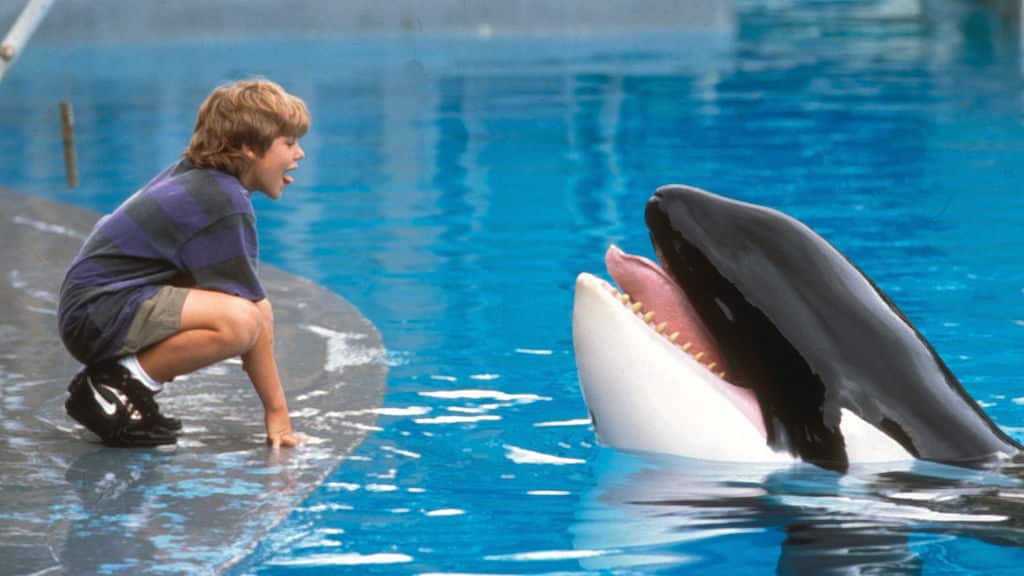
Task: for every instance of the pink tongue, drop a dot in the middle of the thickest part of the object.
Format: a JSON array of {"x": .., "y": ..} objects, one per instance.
[
  {"x": 646, "y": 282},
  {"x": 288, "y": 179}
]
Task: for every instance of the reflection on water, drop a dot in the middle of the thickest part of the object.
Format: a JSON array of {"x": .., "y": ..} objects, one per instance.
[
  {"x": 454, "y": 187},
  {"x": 648, "y": 513}
]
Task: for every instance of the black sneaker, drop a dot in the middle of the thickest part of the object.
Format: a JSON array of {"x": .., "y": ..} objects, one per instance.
[
  {"x": 108, "y": 412},
  {"x": 141, "y": 396}
]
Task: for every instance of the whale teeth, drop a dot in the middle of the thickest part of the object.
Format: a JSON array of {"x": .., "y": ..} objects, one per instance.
[
  {"x": 712, "y": 366},
  {"x": 624, "y": 298},
  {"x": 722, "y": 374},
  {"x": 672, "y": 337},
  {"x": 637, "y": 306},
  {"x": 687, "y": 346},
  {"x": 698, "y": 355},
  {"x": 648, "y": 316},
  {"x": 660, "y": 327}
]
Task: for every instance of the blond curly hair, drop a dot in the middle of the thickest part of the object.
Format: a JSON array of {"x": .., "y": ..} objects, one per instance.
[{"x": 247, "y": 113}]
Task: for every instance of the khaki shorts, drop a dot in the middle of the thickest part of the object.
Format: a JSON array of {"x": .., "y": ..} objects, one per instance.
[{"x": 158, "y": 318}]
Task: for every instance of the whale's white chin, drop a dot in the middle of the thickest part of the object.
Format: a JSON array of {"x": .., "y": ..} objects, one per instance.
[{"x": 645, "y": 393}]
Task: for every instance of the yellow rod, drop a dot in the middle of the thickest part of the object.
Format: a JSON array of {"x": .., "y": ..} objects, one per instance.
[{"x": 67, "y": 129}]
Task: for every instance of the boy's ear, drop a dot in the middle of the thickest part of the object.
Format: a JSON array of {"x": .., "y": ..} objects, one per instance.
[{"x": 249, "y": 152}]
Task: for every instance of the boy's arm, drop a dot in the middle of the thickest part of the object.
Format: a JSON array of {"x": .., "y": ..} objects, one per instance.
[
  {"x": 261, "y": 366},
  {"x": 223, "y": 257}
]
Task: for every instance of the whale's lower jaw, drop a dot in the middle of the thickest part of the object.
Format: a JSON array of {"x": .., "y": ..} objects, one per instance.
[{"x": 645, "y": 394}]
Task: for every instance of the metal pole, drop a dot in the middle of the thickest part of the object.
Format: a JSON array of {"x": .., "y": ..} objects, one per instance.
[
  {"x": 31, "y": 15},
  {"x": 67, "y": 124}
]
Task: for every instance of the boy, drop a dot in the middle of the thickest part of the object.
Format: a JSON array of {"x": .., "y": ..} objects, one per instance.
[{"x": 167, "y": 283}]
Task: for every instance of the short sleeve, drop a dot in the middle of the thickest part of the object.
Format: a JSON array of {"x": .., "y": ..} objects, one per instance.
[{"x": 225, "y": 257}]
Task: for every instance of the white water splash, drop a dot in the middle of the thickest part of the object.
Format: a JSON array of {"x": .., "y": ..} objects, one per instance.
[
  {"x": 524, "y": 456},
  {"x": 869, "y": 508},
  {"x": 548, "y": 493},
  {"x": 347, "y": 559},
  {"x": 474, "y": 394},
  {"x": 534, "y": 351},
  {"x": 457, "y": 419},
  {"x": 556, "y": 423},
  {"x": 341, "y": 350},
  {"x": 445, "y": 512},
  {"x": 383, "y": 411},
  {"x": 400, "y": 452},
  {"x": 547, "y": 555}
]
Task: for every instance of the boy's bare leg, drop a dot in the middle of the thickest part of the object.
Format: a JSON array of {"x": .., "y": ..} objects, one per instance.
[{"x": 216, "y": 326}]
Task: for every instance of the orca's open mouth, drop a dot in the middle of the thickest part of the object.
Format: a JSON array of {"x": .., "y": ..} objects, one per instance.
[{"x": 653, "y": 296}]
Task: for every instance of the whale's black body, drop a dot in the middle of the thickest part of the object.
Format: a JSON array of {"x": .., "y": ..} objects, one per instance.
[{"x": 810, "y": 333}]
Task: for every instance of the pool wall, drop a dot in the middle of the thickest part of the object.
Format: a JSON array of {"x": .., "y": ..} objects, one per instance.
[{"x": 111, "y": 20}]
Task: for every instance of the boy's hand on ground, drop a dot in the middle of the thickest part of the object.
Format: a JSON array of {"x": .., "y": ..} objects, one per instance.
[
  {"x": 279, "y": 431},
  {"x": 286, "y": 440}
]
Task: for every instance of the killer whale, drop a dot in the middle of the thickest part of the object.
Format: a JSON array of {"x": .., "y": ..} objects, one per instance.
[{"x": 791, "y": 351}]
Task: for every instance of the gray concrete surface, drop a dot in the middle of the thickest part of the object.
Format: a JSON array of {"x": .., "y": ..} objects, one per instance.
[{"x": 69, "y": 505}]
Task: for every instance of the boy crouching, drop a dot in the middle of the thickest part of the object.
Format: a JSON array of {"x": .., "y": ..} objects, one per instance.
[{"x": 167, "y": 283}]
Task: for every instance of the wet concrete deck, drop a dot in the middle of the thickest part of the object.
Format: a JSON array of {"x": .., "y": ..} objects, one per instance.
[{"x": 69, "y": 505}]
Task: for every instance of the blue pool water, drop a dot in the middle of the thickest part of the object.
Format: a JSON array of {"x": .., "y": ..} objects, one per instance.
[{"x": 455, "y": 187}]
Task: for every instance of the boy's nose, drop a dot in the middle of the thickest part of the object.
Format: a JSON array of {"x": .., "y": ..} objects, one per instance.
[{"x": 299, "y": 152}]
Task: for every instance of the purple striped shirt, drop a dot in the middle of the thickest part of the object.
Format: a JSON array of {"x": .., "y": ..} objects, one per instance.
[{"x": 187, "y": 227}]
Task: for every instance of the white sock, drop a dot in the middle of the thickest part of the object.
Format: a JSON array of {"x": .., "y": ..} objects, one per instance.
[{"x": 132, "y": 364}]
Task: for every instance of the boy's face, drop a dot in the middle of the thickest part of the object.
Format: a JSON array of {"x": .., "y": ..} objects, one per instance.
[{"x": 269, "y": 173}]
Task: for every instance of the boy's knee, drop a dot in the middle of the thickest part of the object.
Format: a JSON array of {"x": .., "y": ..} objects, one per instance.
[
  {"x": 243, "y": 323},
  {"x": 266, "y": 311}
]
